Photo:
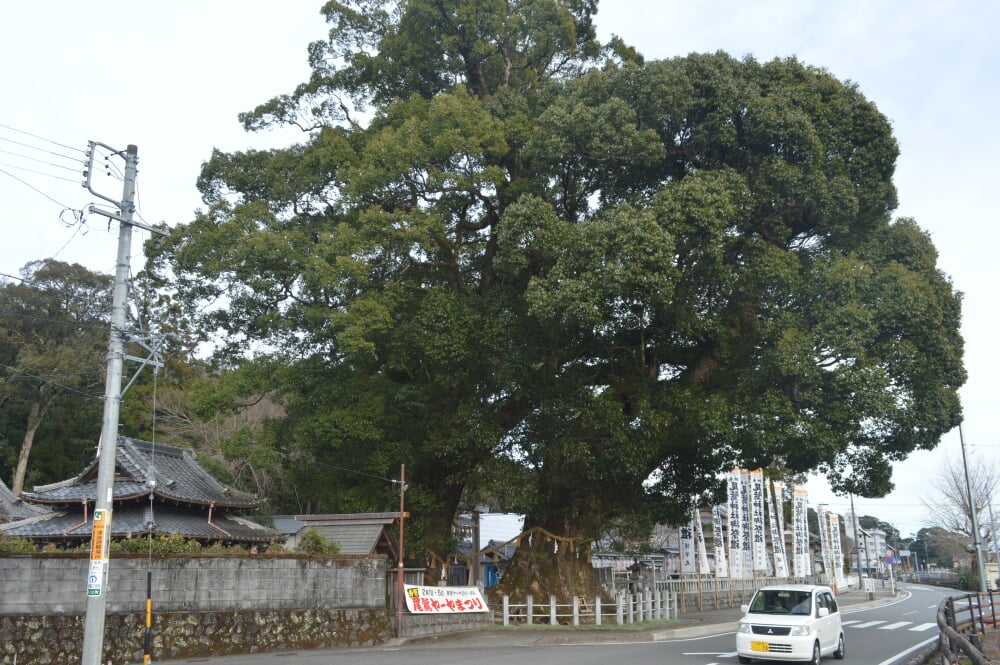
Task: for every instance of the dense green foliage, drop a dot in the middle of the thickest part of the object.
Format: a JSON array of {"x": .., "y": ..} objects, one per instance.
[
  {"x": 579, "y": 287},
  {"x": 311, "y": 542},
  {"x": 53, "y": 348}
]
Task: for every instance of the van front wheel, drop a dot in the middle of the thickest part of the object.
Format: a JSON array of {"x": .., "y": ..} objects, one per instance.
[
  {"x": 841, "y": 649},
  {"x": 816, "y": 655}
]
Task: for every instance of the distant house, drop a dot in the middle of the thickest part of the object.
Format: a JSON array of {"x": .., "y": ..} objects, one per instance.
[
  {"x": 364, "y": 534},
  {"x": 158, "y": 489},
  {"x": 14, "y": 508}
]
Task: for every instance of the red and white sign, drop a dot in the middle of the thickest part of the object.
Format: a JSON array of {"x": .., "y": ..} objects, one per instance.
[{"x": 444, "y": 599}]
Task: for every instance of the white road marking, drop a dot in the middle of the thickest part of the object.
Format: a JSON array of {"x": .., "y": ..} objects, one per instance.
[
  {"x": 894, "y": 626},
  {"x": 893, "y": 659},
  {"x": 852, "y": 621},
  {"x": 868, "y": 624},
  {"x": 923, "y": 626}
]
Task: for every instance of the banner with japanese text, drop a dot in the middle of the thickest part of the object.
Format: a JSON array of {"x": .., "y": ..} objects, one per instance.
[
  {"x": 721, "y": 565},
  {"x": 735, "y": 525},
  {"x": 444, "y": 599},
  {"x": 777, "y": 535},
  {"x": 823, "y": 523},
  {"x": 836, "y": 554},
  {"x": 699, "y": 539},
  {"x": 687, "y": 549},
  {"x": 758, "y": 543},
  {"x": 746, "y": 532},
  {"x": 800, "y": 534}
]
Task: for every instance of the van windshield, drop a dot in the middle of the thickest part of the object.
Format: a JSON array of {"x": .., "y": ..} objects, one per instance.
[{"x": 781, "y": 601}]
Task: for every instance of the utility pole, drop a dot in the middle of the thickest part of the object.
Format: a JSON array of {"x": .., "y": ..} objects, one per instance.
[
  {"x": 857, "y": 537},
  {"x": 972, "y": 513},
  {"x": 400, "y": 570},
  {"x": 93, "y": 631}
]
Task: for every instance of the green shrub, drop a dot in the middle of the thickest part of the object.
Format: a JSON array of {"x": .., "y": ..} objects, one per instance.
[
  {"x": 16, "y": 545},
  {"x": 312, "y": 542},
  {"x": 968, "y": 580}
]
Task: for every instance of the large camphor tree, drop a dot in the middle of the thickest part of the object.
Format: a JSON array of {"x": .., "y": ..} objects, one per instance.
[{"x": 533, "y": 267}]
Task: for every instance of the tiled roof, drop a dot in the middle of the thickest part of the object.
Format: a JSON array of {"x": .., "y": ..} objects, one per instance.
[
  {"x": 356, "y": 533},
  {"x": 353, "y": 538},
  {"x": 13, "y": 508},
  {"x": 133, "y": 521},
  {"x": 175, "y": 473}
]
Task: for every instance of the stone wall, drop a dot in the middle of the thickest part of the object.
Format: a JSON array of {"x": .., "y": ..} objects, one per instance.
[
  {"x": 44, "y": 640},
  {"x": 203, "y": 606},
  {"x": 57, "y": 584}
]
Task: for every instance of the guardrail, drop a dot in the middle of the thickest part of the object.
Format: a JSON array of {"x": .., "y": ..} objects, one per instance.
[{"x": 962, "y": 622}]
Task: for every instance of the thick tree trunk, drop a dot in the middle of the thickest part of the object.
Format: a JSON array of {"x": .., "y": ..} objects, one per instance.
[
  {"x": 34, "y": 420},
  {"x": 547, "y": 563}
]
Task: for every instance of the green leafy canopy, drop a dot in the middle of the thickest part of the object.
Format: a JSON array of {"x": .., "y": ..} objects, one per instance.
[{"x": 586, "y": 286}]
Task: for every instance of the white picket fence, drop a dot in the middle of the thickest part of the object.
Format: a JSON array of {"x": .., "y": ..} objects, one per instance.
[
  {"x": 662, "y": 599},
  {"x": 643, "y": 605}
]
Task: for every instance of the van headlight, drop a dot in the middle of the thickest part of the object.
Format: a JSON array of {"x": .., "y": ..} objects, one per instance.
[
  {"x": 799, "y": 631},
  {"x": 744, "y": 628}
]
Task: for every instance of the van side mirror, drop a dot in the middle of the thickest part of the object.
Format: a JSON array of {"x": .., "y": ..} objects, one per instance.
[
  {"x": 823, "y": 612},
  {"x": 744, "y": 608}
]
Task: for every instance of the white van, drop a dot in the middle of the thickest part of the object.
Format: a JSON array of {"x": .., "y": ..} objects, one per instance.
[{"x": 796, "y": 622}]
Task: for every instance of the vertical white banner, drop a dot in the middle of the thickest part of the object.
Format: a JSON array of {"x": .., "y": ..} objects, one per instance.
[
  {"x": 735, "y": 525},
  {"x": 777, "y": 533},
  {"x": 699, "y": 539},
  {"x": 721, "y": 564},
  {"x": 824, "y": 542},
  {"x": 800, "y": 533},
  {"x": 746, "y": 534},
  {"x": 687, "y": 549},
  {"x": 779, "y": 496},
  {"x": 836, "y": 554},
  {"x": 759, "y": 537}
]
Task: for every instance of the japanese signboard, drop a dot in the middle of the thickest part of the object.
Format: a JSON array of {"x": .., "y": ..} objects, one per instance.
[
  {"x": 444, "y": 599},
  {"x": 98, "y": 552}
]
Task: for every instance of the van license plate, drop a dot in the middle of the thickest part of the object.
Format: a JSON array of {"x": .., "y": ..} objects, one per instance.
[{"x": 759, "y": 646}]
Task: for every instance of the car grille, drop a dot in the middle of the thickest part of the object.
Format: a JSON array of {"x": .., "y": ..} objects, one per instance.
[
  {"x": 779, "y": 648},
  {"x": 770, "y": 630}
]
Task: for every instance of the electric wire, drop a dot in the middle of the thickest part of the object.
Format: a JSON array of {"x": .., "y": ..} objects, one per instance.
[
  {"x": 41, "y": 287},
  {"x": 55, "y": 322},
  {"x": 71, "y": 389},
  {"x": 98, "y": 398},
  {"x": 41, "y": 138},
  {"x": 33, "y": 147},
  {"x": 28, "y": 184},
  {"x": 79, "y": 227},
  {"x": 40, "y": 161},
  {"x": 37, "y": 172}
]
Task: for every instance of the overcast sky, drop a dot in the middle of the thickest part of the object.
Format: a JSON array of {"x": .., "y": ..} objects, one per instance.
[{"x": 171, "y": 77}]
